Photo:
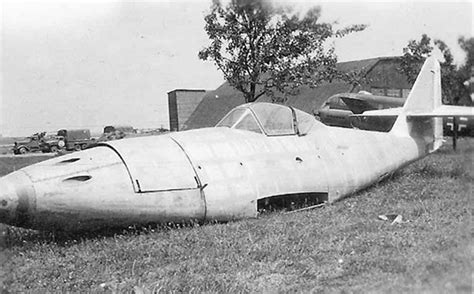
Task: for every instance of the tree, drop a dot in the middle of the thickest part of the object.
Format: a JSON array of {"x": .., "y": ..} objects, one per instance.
[
  {"x": 468, "y": 46},
  {"x": 466, "y": 70},
  {"x": 452, "y": 78},
  {"x": 266, "y": 49},
  {"x": 413, "y": 56}
]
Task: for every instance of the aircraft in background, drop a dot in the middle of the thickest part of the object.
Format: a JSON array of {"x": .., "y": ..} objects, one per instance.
[
  {"x": 338, "y": 110},
  {"x": 258, "y": 155}
]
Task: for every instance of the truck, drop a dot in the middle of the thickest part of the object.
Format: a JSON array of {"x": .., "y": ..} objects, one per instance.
[
  {"x": 117, "y": 132},
  {"x": 74, "y": 139},
  {"x": 29, "y": 144},
  {"x": 52, "y": 143}
]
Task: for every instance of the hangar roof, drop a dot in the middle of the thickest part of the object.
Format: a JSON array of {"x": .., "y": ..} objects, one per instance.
[{"x": 217, "y": 103}]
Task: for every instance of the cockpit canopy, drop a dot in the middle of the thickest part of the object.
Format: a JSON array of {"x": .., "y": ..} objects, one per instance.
[{"x": 269, "y": 119}]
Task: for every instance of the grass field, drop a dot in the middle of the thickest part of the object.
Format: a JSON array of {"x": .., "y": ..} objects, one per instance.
[{"x": 341, "y": 248}]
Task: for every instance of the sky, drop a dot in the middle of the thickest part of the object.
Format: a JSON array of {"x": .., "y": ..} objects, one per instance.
[{"x": 87, "y": 64}]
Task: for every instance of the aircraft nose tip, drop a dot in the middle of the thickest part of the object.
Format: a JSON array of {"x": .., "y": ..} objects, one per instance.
[
  {"x": 8, "y": 201},
  {"x": 16, "y": 199}
]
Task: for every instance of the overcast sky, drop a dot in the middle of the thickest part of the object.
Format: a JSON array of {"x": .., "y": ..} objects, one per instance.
[{"x": 87, "y": 64}]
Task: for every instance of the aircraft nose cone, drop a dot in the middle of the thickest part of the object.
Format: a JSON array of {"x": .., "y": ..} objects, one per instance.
[
  {"x": 8, "y": 201},
  {"x": 17, "y": 199}
]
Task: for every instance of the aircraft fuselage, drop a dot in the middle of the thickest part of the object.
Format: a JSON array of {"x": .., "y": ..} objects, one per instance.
[{"x": 207, "y": 174}]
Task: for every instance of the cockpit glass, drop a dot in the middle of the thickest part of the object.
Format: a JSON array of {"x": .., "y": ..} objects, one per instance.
[
  {"x": 231, "y": 118},
  {"x": 269, "y": 119},
  {"x": 275, "y": 119},
  {"x": 248, "y": 123}
]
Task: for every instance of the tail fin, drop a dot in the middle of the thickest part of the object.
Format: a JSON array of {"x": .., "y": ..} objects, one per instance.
[
  {"x": 421, "y": 115},
  {"x": 425, "y": 96}
]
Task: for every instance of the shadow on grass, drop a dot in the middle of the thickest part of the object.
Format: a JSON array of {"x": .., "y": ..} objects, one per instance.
[
  {"x": 20, "y": 237},
  {"x": 431, "y": 171}
]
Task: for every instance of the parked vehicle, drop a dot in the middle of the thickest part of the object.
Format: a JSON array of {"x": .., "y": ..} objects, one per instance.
[
  {"x": 52, "y": 143},
  {"x": 70, "y": 140},
  {"x": 29, "y": 144},
  {"x": 117, "y": 132}
]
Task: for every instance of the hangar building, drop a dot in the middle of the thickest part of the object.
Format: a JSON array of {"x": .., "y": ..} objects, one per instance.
[{"x": 380, "y": 76}]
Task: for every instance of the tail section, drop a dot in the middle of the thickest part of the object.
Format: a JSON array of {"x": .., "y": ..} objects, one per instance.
[
  {"x": 424, "y": 97},
  {"x": 421, "y": 115}
]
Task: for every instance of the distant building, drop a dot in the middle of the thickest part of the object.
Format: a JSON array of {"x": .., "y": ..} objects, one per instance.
[
  {"x": 380, "y": 76},
  {"x": 181, "y": 104}
]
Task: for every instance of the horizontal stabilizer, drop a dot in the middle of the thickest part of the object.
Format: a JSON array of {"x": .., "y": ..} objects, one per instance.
[
  {"x": 440, "y": 111},
  {"x": 445, "y": 111}
]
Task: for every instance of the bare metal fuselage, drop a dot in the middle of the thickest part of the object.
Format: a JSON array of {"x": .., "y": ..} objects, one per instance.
[{"x": 207, "y": 174}]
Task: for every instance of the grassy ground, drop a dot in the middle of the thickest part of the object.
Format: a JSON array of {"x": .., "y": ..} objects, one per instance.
[{"x": 340, "y": 248}]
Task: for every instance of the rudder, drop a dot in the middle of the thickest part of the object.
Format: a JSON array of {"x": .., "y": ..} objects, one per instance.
[{"x": 424, "y": 97}]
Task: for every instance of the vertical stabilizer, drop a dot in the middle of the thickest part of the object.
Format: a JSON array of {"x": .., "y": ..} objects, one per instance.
[{"x": 424, "y": 97}]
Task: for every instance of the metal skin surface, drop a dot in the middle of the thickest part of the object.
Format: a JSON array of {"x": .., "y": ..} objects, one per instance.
[{"x": 217, "y": 173}]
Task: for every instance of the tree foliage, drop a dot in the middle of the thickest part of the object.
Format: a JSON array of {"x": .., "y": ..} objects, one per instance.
[
  {"x": 266, "y": 49},
  {"x": 452, "y": 78},
  {"x": 466, "y": 70}
]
